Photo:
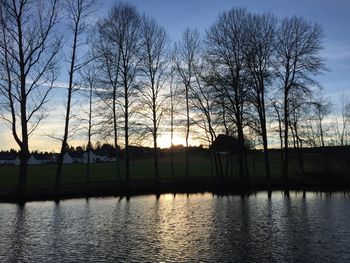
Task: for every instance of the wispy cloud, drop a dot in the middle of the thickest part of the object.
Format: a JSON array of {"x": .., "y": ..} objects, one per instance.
[{"x": 336, "y": 52}]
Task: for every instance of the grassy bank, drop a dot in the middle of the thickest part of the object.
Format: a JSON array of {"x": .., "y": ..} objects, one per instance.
[
  {"x": 215, "y": 185},
  {"x": 321, "y": 171}
]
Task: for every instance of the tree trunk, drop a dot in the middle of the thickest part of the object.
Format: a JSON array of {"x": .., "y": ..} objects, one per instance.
[
  {"x": 219, "y": 163},
  {"x": 88, "y": 168},
  {"x": 156, "y": 166},
  {"x": 240, "y": 151},
  {"x": 89, "y": 143},
  {"x": 69, "y": 98},
  {"x": 24, "y": 146},
  {"x": 126, "y": 128},
  {"x": 246, "y": 163},
  {"x": 264, "y": 139},
  {"x": 321, "y": 133},
  {"x": 211, "y": 163},
  {"x": 155, "y": 131},
  {"x": 23, "y": 170},
  {"x": 187, "y": 132},
  {"x": 115, "y": 130},
  {"x": 24, "y": 155},
  {"x": 172, "y": 129},
  {"x": 299, "y": 146},
  {"x": 286, "y": 124},
  {"x": 266, "y": 157}
]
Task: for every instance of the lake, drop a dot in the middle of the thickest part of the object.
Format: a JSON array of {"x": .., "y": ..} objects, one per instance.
[{"x": 181, "y": 228}]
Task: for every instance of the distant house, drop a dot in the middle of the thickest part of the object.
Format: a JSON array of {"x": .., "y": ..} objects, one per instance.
[
  {"x": 98, "y": 156},
  {"x": 54, "y": 157},
  {"x": 93, "y": 157},
  {"x": 78, "y": 157},
  {"x": 9, "y": 159},
  {"x": 225, "y": 144},
  {"x": 67, "y": 158},
  {"x": 36, "y": 159},
  {"x": 73, "y": 157}
]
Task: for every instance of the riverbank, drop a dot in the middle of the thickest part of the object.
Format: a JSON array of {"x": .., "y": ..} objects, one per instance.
[{"x": 215, "y": 185}]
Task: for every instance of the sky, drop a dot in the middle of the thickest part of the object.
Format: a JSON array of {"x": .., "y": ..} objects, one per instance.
[{"x": 176, "y": 15}]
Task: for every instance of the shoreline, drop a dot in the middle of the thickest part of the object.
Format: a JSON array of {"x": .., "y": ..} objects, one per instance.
[
  {"x": 214, "y": 185},
  {"x": 136, "y": 187}
]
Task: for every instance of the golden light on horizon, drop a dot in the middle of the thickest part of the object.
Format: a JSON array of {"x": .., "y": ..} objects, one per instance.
[{"x": 164, "y": 140}]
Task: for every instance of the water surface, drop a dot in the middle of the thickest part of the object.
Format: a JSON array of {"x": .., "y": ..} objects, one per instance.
[{"x": 181, "y": 228}]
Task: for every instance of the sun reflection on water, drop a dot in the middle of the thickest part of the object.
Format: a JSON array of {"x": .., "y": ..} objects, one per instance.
[{"x": 179, "y": 228}]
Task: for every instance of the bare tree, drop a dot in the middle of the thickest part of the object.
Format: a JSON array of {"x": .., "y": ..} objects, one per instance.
[
  {"x": 172, "y": 93},
  {"x": 187, "y": 51},
  {"x": 278, "y": 109},
  {"x": 154, "y": 61},
  {"x": 107, "y": 55},
  {"x": 225, "y": 53},
  {"x": 120, "y": 32},
  {"x": 300, "y": 109},
  {"x": 342, "y": 122},
  {"x": 205, "y": 106},
  {"x": 322, "y": 107},
  {"x": 88, "y": 89},
  {"x": 107, "y": 52},
  {"x": 261, "y": 36},
  {"x": 296, "y": 63},
  {"x": 28, "y": 48},
  {"x": 77, "y": 13}
]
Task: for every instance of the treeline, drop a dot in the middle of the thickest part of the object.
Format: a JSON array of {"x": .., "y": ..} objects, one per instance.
[{"x": 251, "y": 76}]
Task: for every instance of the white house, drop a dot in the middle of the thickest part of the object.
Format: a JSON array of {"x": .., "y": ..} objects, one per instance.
[
  {"x": 94, "y": 157},
  {"x": 77, "y": 157},
  {"x": 69, "y": 158},
  {"x": 36, "y": 159},
  {"x": 9, "y": 159}
]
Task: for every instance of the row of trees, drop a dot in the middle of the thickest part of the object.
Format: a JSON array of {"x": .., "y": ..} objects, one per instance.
[{"x": 248, "y": 75}]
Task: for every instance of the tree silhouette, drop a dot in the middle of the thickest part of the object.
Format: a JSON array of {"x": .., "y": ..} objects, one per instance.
[
  {"x": 77, "y": 13},
  {"x": 226, "y": 40},
  {"x": 186, "y": 52},
  {"x": 259, "y": 51},
  {"x": 28, "y": 52},
  {"x": 296, "y": 63},
  {"x": 121, "y": 31},
  {"x": 154, "y": 60}
]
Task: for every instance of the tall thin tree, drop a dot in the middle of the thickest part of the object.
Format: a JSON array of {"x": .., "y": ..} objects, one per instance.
[
  {"x": 88, "y": 89},
  {"x": 28, "y": 52},
  {"x": 154, "y": 60},
  {"x": 259, "y": 51},
  {"x": 121, "y": 31},
  {"x": 297, "y": 61},
  {"x": 186, "y": 51},
  {"x": 107, "y": 55},
  {"x": 77, "y": 12},
  {"x": 226, "y": 41}
]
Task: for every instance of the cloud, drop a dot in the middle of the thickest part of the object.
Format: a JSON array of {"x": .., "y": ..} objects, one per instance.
[{"x": 337, "y": 52}]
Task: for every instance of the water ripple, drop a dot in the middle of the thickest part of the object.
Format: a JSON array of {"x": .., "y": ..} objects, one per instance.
[{"x": 181, "y": 228}]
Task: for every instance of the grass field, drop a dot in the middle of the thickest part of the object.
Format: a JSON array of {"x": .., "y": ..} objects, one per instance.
[{"x": 200, "y": 165}]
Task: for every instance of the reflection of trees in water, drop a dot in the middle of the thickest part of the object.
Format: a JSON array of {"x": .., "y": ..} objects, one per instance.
[
  {"x": 184, "y": 223},
  {"x": 19, "y": 234},
  {"x": 296, "y": 228},
  {"x": 57, "y": 222},
  {"x": 302, "y": 227}
]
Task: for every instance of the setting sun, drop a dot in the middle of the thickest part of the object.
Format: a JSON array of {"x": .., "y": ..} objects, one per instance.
[{"x": 164, "y": 140}]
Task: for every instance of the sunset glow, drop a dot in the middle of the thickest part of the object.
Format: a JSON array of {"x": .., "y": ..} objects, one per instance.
[{"x": 164, "y": 140}]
